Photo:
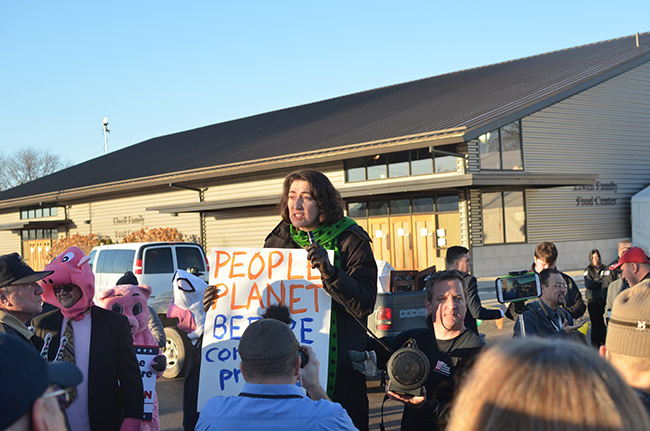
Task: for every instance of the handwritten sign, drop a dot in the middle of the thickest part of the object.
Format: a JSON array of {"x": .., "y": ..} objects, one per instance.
[
  {"x": 145, "y": 354},
  {"x": 247, "y": 282}
]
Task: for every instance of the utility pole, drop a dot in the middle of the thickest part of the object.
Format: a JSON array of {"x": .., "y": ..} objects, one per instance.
[{"x": 106, "y": 132}]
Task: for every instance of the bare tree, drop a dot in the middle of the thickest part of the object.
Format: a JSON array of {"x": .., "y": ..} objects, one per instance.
[{"x": 27, "y": 165}]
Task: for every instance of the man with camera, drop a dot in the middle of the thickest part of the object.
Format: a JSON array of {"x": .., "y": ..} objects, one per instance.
[
  {"x": 545, "y": 317},
  {"x": 447, "y": 343},
  {"x": 270, "y": 399},
  {"x": 545, "y": 256}
]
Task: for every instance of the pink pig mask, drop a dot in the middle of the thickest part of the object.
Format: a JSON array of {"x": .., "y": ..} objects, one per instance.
[
  {"x": 70, "y": 267},
  {"x": 131, "y": 301}
]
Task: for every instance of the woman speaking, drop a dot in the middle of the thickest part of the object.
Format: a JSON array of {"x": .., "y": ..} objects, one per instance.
[{"x": 312, "y": 218}]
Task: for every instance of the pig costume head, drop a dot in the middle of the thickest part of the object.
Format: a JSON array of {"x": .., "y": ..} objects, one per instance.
[
  {"x": 70, "y": 267},
  {"x": 130, "y": 301},
  {"x": 187, "y": 304}
]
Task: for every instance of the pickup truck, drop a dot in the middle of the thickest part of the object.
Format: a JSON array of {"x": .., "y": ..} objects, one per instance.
[{"x": 402, "y": 306}]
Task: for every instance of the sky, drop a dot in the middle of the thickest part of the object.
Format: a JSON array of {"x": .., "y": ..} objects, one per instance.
[{"x": 160, "y": 67}]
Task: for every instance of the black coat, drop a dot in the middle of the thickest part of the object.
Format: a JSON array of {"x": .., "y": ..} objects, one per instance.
[
  {"x": 593, "y": 277},
  {"x": 474, "y": 308},
  {"x": 115, "y": 388}
]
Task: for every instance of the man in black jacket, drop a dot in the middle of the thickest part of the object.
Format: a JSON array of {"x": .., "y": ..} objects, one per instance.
[
  {"x": 20, "y": 295},
  {"x": 449, "y": 346},
  {"x": 458, "y": 259}
]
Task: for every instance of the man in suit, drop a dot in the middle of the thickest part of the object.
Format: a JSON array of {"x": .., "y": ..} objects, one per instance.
[
  {"x": 98, "y": 341},
  {"x": 458, "y": 258}
]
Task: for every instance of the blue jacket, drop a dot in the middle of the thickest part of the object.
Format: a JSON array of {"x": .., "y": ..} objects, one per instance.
[{"x": 270, "y": 408}]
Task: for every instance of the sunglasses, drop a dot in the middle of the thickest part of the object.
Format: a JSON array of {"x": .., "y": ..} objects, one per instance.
[
  {"x": 62, "y": 397},
  {"x": 66, "y": 288}
]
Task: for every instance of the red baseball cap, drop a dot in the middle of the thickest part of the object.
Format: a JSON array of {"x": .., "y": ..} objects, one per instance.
[{"x": 632, "y": 255}]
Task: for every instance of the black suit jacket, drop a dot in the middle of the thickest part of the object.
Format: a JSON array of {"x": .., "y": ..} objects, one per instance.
[
  {"x": 114, "y": 384},
  {"x": 474, "y": 308}
]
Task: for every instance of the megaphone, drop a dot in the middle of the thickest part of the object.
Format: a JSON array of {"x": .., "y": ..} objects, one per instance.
[{"x": 408, "y": 369}]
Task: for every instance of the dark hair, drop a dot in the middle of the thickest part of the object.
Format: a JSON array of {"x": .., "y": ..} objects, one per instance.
[
  {"x": 278, "y": 312},
  {"x": 546, "y": 274},
  {"x": 547, "y": 252},
  {"x": 592, "y": 252},
  {"x": 327, "y": 197},
  {"x": 454, "y": 253},
  {"x": 281, "y": 367},
  {"x": 440, "y": 276}
]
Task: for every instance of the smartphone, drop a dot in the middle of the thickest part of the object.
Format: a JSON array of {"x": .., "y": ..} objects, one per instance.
[{"x": 521, "y": 287}]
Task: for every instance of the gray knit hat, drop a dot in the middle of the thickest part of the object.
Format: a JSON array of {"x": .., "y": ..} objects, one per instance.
[{"x": 628, "y": 332}]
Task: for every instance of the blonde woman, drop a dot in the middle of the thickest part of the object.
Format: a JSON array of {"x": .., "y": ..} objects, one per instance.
[{"x": 545, "y": 384}]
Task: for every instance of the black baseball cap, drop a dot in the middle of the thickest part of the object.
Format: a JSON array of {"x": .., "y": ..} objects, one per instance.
[
  {"x": 14, "y": 270},
  {"x": 25, "y": 376}
]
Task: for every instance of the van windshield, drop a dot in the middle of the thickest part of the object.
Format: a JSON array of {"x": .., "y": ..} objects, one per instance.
[{"x": 190, "y": 257}]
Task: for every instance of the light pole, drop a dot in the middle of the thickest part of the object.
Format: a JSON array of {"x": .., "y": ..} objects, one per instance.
[{"x": 106, "y": 132}]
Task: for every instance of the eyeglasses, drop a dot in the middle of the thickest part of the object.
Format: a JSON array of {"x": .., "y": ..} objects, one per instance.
[
  {"x": 62, "y": 397},
  {"x": 66, "y": 288}
]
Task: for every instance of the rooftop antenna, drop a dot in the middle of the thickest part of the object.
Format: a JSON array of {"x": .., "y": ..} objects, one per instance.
[{"x": 106, "y": 132}]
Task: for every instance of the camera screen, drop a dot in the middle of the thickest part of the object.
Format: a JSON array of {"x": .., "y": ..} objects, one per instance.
[{"x": 518, "y": 287}]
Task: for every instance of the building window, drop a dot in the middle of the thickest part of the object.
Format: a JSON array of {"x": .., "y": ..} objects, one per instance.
[
  {"x": 500, "y": 149},
  {"x": 416, "y": 205},
  {"x": 37, "y": 212},
  {"x": 504, "y": 217},
  {"x": 402, "y": 164},
  {"x": 29, "y": 234}
]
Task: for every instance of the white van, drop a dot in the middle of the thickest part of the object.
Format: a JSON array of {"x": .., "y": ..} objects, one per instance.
[{"x": 153, "y": 263}]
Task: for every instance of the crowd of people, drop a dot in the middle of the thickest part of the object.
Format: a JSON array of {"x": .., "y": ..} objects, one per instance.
[{"x": 75, "y": 367}]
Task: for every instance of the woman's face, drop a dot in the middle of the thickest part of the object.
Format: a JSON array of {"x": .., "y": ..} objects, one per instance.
[
  {"x": 595, "y": 259},
  {"x": 303, "y": 208}
]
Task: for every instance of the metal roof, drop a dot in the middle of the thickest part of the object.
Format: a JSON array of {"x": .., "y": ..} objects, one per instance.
[{"x": 468, "y": 102}]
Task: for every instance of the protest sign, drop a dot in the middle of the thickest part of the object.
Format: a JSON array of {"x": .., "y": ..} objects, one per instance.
[
  {"x": 145, "y": 354},
  {"x": 247, "y": 282}
]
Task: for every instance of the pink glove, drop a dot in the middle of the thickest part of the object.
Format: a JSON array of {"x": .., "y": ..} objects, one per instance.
[{"x": 130, "y": 424}]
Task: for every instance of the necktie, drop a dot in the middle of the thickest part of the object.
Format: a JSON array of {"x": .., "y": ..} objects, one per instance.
[{"x": 68, "y": 355}]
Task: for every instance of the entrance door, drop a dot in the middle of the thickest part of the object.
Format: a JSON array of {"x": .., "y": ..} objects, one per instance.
[
  {"x": 37, "y": 251},
  {"x": 402, "y": 242},
  {"x": 378, "y": 229},
  {"x": 424, "y": 229}
]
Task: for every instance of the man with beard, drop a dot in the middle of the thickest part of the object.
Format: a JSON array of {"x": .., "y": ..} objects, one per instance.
[
  {"x": 447, "y": 343},
  {"x": 546, "y": 317}
]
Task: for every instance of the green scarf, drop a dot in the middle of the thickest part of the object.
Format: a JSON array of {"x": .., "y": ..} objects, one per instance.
[{"x": 326, "y": 235}]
